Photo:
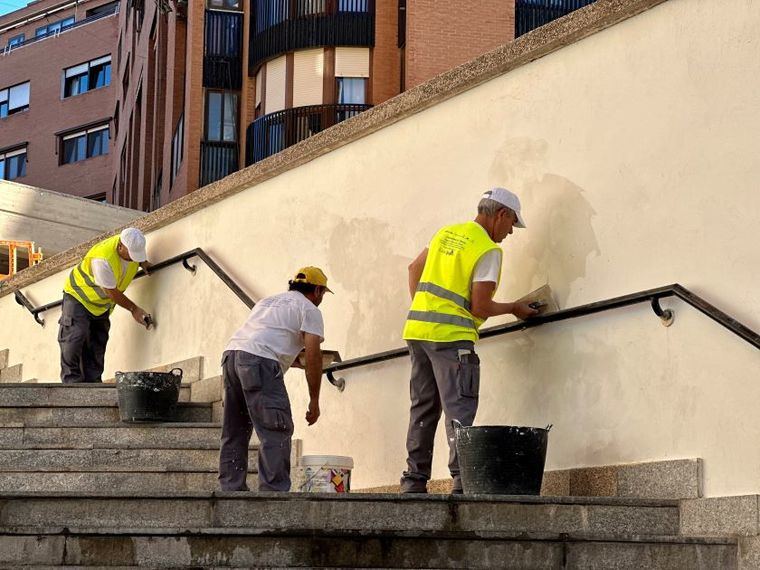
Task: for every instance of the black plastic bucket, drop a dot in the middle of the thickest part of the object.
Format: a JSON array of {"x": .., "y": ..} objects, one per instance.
[
  {"x": 501, "y": 460},
  {"x": 148, "y": 396}
]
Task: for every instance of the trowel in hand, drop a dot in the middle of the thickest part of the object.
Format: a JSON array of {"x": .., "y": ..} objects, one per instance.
[{"x": 541, "y": 299}]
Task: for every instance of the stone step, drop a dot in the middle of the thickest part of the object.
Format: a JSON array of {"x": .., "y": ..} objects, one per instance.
[
  {"x": 210, "y": 548},
  {"x": 4, "y": 358},
  {"x": 134, "y": 482},
  {"x": 146, "y": 436},
  {"x": 18, "y": 394},
  {"x": 106, "y": 460},
  {"x": 296, "y": 512},
  {"x": 90, "y": 415}
]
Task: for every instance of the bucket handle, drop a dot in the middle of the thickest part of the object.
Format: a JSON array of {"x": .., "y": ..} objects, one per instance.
[
  {"x": 174, "y": 371},
  {"x": 310, "y": 479},
  {"x": 456, "y": 424},
  {"x": 549, "y": 427}
]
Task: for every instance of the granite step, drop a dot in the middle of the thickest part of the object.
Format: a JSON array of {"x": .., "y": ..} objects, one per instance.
[
  {"x": 210, "y": 548},
  {"x": 62, "y": 416},
  {"x": 297, "y": 512},
  {"x": 177, "y": 435},
  {"x": 108, "y": 460},
  {"x": 55, "y": 394},
  {"x": 133, "y": 482}
]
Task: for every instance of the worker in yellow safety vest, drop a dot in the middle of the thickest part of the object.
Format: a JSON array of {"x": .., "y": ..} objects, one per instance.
[
  {"x": 91, "y": 292},
  {"x": 452, "y": 284}
]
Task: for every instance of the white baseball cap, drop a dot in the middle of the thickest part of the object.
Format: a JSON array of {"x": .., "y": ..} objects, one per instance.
[
  {"x": 134, "y": 240},
  {"x": 508, "y": 199}
]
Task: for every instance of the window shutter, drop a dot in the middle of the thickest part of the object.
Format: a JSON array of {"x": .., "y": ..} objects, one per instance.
[
  {"x": 351, "y": 62},
  {"x": 308, "y": 77}
]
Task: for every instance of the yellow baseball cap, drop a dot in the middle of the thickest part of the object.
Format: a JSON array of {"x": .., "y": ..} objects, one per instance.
[{"x": 312, "y": 276}]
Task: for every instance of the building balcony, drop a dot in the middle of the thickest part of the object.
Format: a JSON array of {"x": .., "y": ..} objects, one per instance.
[
  {"x": 280, "y": 26},
  {"x": 223, "y": 50},
  {"x": 532, "y": 14},
  {"x": 218, "y": 159},
  {"x": 275, "y": 132}
]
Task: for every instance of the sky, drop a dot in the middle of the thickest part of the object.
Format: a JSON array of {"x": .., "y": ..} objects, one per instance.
[{"x": 11, "y": 5}]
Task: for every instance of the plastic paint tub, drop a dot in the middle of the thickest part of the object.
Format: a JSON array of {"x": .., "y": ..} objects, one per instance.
[{"x": 325, "y": 474}]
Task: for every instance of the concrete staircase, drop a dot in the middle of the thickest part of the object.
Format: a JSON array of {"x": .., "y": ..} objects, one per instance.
[{"x": 79, "y": 489}]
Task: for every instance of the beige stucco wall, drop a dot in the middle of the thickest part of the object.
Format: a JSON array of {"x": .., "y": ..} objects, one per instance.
[{"x": 634, "y": 152}]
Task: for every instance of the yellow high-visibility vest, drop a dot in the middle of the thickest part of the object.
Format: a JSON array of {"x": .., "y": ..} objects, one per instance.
[
  {"x": 81, "y": 282},
  {"x": 440, "y": 310}
]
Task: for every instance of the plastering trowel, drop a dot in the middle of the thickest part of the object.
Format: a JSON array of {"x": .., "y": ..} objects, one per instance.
[{"x": 541, "y": 299}]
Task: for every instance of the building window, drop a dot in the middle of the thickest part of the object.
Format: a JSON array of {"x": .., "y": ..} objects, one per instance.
[
  {"x": 87, "y": 76},
  {"x": 54, "y": 28},
  {"x": 13, "y": 164},
  {"x": 14, "y": 99},
  {"x": 178, "y": 147},
  {"x": 221, "y": 116},
  {"x": 103, "y": 10},
  {"x": 84, "y": 144},
  {"x": 353, "y": 5},
  {"x": 352, "y": 90},
  {"x": 16, "y": 41},
  {"x": 224, "y": 5}
]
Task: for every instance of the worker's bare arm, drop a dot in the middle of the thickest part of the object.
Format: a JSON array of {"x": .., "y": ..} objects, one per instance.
[
  {"x": 313, "y": 374},
  {"x": 122, "y": 300},
  {"x": 483, "y": 306},
  {"x": 415, "y": 271}
]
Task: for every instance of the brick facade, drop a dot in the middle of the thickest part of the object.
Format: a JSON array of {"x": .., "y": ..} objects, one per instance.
[
  {"x": 442, "y": 34},
  {"x": 42, "y": 63}
]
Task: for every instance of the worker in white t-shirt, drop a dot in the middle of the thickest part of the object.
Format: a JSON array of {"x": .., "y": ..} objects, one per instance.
[{"x": 257, "y": 356}]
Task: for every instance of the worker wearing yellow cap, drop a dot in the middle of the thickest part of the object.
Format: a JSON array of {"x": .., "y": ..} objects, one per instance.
[{"x": 253, "y": 366}]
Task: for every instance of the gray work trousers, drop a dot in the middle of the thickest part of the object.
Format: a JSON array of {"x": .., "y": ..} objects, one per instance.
[
  {"x": 445, "y": 377},
  {"x": 82, "y": 337},
  {"x": 254, "y": 399}
]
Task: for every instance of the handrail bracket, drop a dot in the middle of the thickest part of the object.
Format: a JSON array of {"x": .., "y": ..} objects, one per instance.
[
  {"x": 667, "y": 316},
  {"x": 189, "y": 266}
]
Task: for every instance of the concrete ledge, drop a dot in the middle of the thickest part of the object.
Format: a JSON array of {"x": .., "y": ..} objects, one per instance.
[
  {"x": 670, "y": 479},
  {"x": 529, "y": 47},
  {"x": 206, "y": 390},
  {"x": 91, "y": 415},
  {"x": 209, "y": 548},
  {"x": 4, "y": 358},
  {"x": 738, "y": 516}
]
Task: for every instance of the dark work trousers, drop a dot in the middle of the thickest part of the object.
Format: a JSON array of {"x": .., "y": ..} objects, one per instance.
[
  {"x": 83, "y": 338},
  {"x": 254, "y": 398},
  {"x": 445, "y": 377}
]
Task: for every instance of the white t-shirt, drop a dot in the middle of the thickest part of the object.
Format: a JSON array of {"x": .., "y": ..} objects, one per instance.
[
  {"x": 103, "y": 273},
  {"x": 488, "y": 267},
  {"x": 274, "y": 328}
]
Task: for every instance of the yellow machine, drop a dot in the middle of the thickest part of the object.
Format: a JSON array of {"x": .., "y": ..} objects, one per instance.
[{"x": 17, "y": 255}]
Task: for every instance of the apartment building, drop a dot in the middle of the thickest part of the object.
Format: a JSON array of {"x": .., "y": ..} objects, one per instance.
[
  {"x": 56, "y": 99},
  {"x": 141, "y": 102}
]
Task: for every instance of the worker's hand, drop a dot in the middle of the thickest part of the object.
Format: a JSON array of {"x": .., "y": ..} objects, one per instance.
[
  {"x": 524, "y": 311},
  {"x": 140, "y": 315},
  {"x": 312, "y": 415},
  {"x": 146, "y": 267}
]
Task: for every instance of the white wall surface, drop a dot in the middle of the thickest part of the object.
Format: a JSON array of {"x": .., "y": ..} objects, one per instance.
[{"x": 635, "y": 154}]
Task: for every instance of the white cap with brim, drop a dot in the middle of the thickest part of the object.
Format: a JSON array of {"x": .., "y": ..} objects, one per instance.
[
  {"x": 134, "y": 240},
  {"x": 508, "y": 199}
]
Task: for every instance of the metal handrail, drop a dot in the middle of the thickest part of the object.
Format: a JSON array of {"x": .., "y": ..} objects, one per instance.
[
  {"x": 651, "y": 295},
  {"x": 181, "y": 258}
]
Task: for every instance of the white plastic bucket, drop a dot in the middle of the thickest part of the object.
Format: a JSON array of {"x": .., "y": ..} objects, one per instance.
[{"x": 325, "y": 474}]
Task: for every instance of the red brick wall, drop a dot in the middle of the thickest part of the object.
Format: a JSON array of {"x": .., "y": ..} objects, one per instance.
[
  {"x": 442, "y": 34},
  {"x": 386, "y": 57},
  {"x": 42, "y": 64}
]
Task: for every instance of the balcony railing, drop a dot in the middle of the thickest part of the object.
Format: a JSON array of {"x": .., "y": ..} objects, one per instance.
[
  {"x": 279, "y": 26},
  {"x": 223, "y": 50},
  {"x": 218, "y": 159},
  {"x": 56, "y": 33},
  {"x": 532, "y": 14},
  {"x": 275, "y": 132}
]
